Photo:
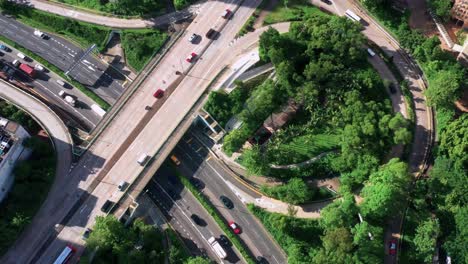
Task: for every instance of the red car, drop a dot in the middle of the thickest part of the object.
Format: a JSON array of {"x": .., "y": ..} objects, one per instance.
[
  {"x": 234, "y": 227},
  {"x": 226, "y": 14},
  {"x": 159, "y": 93},
  {"x": 191, "y": 57},
  {"x": 392, "y": 247}
]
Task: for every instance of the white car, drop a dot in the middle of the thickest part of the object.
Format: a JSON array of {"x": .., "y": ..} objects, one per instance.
[
  {"x": 192, "y": 38},
  {"x": 39, "y": 33},
  {"x": 21, "y": 55},
  {"x": 39, "y": 67}
]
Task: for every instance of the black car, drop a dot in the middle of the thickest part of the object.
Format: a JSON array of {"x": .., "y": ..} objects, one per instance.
[
  {"x": 107, "y": 206},
  {"x": 224, "y": 241},
  {"x": 197, "y": 219},
  {"x": 392, "y": 88},
  {"x": 262, "y": 260},
  {"x": 5, "y": 48},
  {"x": 226, "y": 201},
  {"x": 197, "y": 183},
  {"x": 86, "y": 233}
]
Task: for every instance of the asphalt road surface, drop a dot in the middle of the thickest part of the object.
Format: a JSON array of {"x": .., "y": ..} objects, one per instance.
[
  {"x": 44, "y": 85},
  {"x": 178, "y": 204},
  {"x": 112, "y": 158},
  {"x": 197, "y": 162},
  {"x": 94, "y": 74}
]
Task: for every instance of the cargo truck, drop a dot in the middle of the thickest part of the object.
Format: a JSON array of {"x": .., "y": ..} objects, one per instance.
[
  {"x": 28, "y": 70},
  {"x": 217, "y": 248}
]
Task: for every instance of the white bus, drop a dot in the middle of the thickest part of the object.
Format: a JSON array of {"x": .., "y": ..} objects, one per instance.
[
  {"x": 351, "y": 15},
  {"x": 65, "y": 255}
]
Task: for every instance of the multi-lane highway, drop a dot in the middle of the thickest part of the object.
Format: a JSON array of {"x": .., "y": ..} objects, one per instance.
[
  {"x": 178, "y": 205},
  {"x": 44, "y": 85},
  {"x": 197, "y": 162},
  {"x": 112, "y": 157},
  {"x": 102, "y": 79}
]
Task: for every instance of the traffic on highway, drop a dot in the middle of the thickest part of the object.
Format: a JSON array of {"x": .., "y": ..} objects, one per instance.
[
  {"x": 37, "y": 79},
  {"x": 103, "y": 79}
]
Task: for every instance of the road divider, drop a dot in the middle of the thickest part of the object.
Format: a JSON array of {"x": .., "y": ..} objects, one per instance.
[{"x": 209, "y": 207}]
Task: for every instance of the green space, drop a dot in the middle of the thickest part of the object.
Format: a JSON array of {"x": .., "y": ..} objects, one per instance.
[
  {"x": 342, "y": 106},
  {"x": 112, "y": 242},
  {"x": 292, "y": 10},
  {"x": 441, "y": 7},
  {"x": 338, "y": 236},
  {"x": 141, "y": 45},
  {"x": 121, "y": 7},
  {"x": 296, "y": 191},
  {"x": 222, "y": 223},
  {"x": 33, "y": 178},
  {"x": 223, "y": 106},
  {"x": 438, "y": 209}
]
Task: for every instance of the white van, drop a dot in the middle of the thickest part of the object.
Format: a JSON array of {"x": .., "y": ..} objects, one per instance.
[
  {"x": 143, "y": 159},
  {"x": 371, "y": 52},
  {"x": 21, "y": 55}
]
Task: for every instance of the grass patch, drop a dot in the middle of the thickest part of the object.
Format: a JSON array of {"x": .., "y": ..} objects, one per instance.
[
  {"x": 141, "y": 45},
  {"x": 119, "y": 8},
  {"x": 294, "y": 235},
  {"x": 33, "y": 179},
  {"x": 294, "y": 10},
  {"x": 309, "y": 146},
  {"x": 103, "y": 104},
  {"x": 216, "y": 216}
]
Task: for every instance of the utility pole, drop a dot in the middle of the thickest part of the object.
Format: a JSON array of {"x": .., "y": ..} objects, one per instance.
[{"x": 86, "y": 53}]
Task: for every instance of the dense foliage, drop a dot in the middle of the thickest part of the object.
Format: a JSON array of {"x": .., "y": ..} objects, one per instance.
[
  {"x": 121, "y": 7},
  {"x": 438, "y": 207},
  {"x": 321, "y": 65},
  {"x": 140, "y": 243},
  {"x": 141, "y": 45},
  {"x": 441, "y": 7}
]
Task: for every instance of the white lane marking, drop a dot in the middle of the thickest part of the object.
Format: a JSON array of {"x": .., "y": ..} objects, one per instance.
[
  {"x": 182, "y": 211},
  {"x": 71, "y": 54},
  {"x": 84, "y": 207},
  {"x": 69, "y": 106}
]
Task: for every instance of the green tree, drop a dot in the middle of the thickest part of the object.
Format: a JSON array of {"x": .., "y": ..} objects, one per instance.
[
  {"x": 454, "y": 141},
  {"x": 219, "y": 106},
  {"x": 386, "y": 190},
  {"x": 337, "y": 247},
  {"x": 426, "y": 237},
  {"x": 340, "y": 213},
  {"x": 295, "y": 191},
  {"x": 255, "y": 161},
  {"x": 444, "y": 88},
  {"x": 442, "y": 8}
]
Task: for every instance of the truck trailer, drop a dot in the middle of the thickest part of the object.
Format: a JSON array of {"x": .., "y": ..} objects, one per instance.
[
  {"x": 217, "y": 248},
  {"x": 28, "y": 70}
]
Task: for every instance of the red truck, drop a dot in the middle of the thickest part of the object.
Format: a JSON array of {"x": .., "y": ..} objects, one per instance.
[{"x": 28, "y": 70}]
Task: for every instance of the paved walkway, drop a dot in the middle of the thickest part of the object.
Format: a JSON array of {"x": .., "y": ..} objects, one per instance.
[{"x": 114, "y": 22}]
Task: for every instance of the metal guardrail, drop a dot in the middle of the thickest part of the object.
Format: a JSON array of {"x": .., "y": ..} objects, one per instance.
[{"x": 108, "y": 118}]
